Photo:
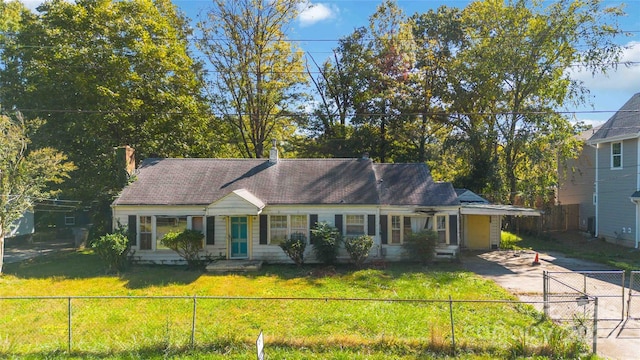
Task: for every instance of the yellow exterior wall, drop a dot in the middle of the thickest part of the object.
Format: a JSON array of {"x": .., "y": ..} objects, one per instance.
[{"x": 478, "y": 231}]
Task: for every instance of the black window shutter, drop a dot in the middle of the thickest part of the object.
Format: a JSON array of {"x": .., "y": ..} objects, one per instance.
[
  {"x": 313, "y": 220},
  {"x": 263, "y": 229},
  {"x": 453, "y": 229},
  {"x": 132, "y": 230},
  {"x": 371, "y": 225},
  {"x": 338, "y": 223},
  {"x": 383, "y": 229},
  {"x": 211, "y": 230}
]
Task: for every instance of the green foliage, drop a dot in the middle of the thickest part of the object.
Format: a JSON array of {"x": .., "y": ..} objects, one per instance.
[
  {"x": 294, "y": 248},
  {"x": 187, "y": 244},
  {"x": 421, "y": 246},
  {"x": 113, "y": 249},
  {"x": 25, "y": 174},
  {"x": 107, "y": 73},
  {"x": 358, "y": 248},
  {"x": 258, "y": 72},
  {"x": 325, "y": 239}
]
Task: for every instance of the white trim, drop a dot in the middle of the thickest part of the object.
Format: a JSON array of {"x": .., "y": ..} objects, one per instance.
[
  {"x": 487, "y": 209},
  {"x": 612, "y": 139},
  {"x": 621, "y": 155}
]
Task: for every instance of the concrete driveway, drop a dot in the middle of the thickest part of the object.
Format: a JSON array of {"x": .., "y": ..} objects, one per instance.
[
  {"x": 20, "y": 251},
  {"x": 514, "y": 271}
]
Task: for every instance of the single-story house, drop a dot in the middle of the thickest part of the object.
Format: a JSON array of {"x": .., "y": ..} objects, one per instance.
[{"x": 247, "y": 207}]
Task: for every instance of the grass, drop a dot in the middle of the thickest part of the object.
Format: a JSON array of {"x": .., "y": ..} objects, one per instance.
[
  {"x": 576, "y": 245},
  {"x": 326, "y": 324}
]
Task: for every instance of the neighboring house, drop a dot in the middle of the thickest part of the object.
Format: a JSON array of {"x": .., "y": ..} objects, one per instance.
[
  {"x": 617, "y": 176},
  {"x": 576, "y": 182},
  {"x": 481, "y": 222},
  {"x": 22, "y": 226},
  {"x": 247, "y": 207}
]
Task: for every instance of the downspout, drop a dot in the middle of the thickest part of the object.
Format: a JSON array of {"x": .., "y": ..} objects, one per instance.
[{"x": 596, "y": 189}]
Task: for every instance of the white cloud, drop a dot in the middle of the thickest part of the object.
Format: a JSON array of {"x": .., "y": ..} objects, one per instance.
[
  {"x": 311, "y": 13},
  {"x": 623, "y": 79}
]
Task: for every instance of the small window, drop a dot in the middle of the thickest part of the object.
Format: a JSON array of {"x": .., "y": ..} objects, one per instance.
[
  {"x": 396, "y": 230},
  {"x": 441, "y": 227},
  {"x": 299, "y": 226},
  {"x": 355, "y": 225},
  {"x": 278, "y": 228},
  {"x": 145, "y": 232},
  {"x": 69, "y": 220},
  {"x": 616, "y": 155}
]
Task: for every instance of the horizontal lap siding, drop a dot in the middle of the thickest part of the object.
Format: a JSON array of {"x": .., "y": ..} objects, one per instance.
[{"x": 615, "y": 210}]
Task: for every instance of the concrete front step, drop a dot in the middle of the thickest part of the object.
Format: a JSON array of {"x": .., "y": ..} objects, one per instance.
[{"x": 221, "y": 266}]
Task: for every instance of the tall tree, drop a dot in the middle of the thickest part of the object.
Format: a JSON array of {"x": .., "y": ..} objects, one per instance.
[
  {"x": 108, "y": 73},
  {"x": 518, "y": 58},
  {"x": 25, "y": 175},
  {"x": 257, "y": 72}
]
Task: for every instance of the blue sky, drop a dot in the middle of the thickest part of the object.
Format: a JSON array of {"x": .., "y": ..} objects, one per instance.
[{"x": 322, "y": 23}]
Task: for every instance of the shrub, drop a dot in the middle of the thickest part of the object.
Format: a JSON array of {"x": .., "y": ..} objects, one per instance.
[
  {"x": 358, "y": 248},
  {"x": 187, "y": 244},
  {"x": 294, "y": 248},
  {"x": 421, "y": 246},
  {"x": 325, "y": 239},
  {"x": 113, "y": 249}
]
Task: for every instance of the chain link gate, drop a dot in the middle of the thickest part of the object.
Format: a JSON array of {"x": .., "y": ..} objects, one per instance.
[
  {"x": 566, "y": 304},
  {"x": 608, "y": 286},
  {"x": 633, "y": 305}
]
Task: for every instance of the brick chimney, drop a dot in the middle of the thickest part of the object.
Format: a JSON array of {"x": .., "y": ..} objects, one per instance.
[{"x": 126, "y": 157}]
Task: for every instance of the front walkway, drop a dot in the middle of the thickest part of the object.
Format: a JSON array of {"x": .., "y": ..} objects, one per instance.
[{"x": 514, "y": 271}]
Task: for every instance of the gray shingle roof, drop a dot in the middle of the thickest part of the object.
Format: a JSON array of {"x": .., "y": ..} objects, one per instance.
[
  {"x": 625, "y": 122},
  {"x": 289, "y": 181}
]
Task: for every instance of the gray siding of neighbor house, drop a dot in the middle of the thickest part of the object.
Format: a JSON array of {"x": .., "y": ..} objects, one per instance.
[
  {"x": 616, "y": 213},
  {"x": 576, "y": 184}
]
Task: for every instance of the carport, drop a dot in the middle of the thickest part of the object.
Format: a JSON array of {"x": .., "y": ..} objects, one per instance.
[{"x": 481, "y": 223}]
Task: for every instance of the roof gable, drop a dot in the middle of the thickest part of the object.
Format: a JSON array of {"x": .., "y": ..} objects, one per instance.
[
  {"x": 289, "y": 181},
  {"x": 624, "y": 124}
]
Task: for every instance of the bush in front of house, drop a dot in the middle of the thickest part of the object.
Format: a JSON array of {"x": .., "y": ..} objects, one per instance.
[
  {"x": 325, "y": 239},
  {"x": 294, "y": 248},
  {"x": 358, "y": 248},
  {"x": 113, "y": 249},
  {"x": 187, "y": 244},
  {"x": 421, "y": 246}
]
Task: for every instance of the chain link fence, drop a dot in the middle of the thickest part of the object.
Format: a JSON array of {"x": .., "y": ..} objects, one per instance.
[
  {"x": 608, "y": 286},
  {"x": 124, "y": 324},
  {"x": 633, "y": 308}
]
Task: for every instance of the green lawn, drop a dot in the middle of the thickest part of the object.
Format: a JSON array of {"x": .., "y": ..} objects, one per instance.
[{"x": 340, "y": 313}]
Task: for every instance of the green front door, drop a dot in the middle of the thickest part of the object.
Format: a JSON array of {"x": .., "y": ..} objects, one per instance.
[{"x": 239, "y": 239}]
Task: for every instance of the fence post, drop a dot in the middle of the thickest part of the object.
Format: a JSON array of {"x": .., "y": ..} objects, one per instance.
[
  {"x": 453, "y": 333},
  {"x": 595, "y": 326},
  {"x": 584, "y": 282},
  {"x": 622, "y": 286},
  {"x": 545, "y": 293},
  {"x": 69, "y": 324},
  {"x": 193, "y": 323}
]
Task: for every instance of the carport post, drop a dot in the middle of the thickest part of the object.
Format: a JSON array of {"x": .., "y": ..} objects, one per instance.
[{"x": 545, "y": 292}]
